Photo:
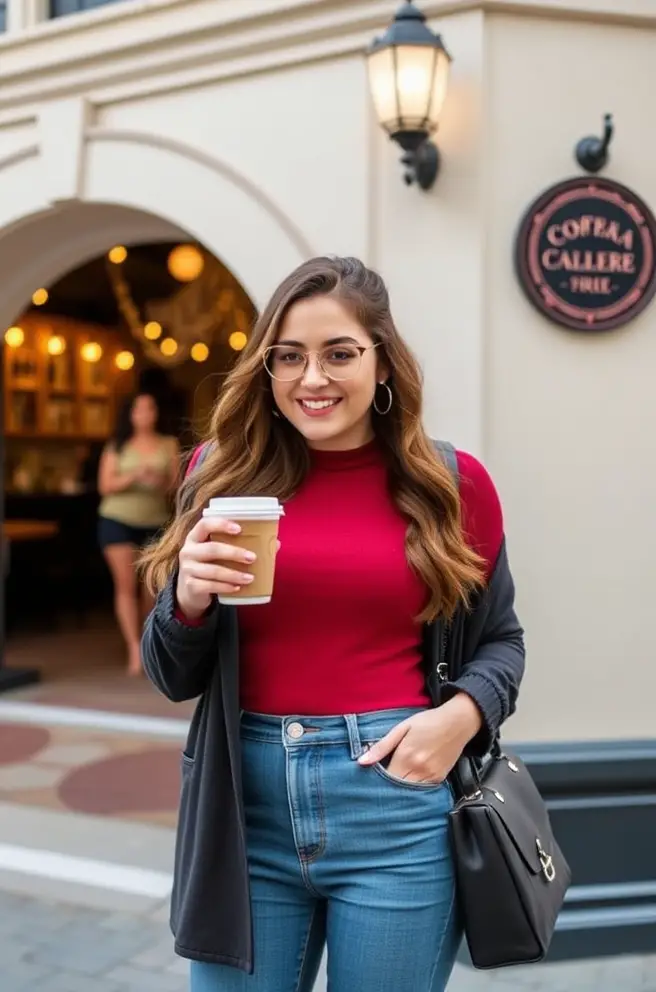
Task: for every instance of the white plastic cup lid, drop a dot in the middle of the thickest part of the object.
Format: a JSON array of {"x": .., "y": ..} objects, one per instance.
[{"x": 244, "y": 507}]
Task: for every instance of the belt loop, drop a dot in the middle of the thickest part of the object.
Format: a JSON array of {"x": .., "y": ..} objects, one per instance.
[{"x": 354, "y": 735}]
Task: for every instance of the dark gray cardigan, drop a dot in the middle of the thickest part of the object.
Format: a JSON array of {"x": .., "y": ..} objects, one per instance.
[{"x": 210, "y": 905}]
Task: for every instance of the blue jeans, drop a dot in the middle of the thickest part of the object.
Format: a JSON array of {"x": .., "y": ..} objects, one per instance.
[{"x": 342, "y": 856}]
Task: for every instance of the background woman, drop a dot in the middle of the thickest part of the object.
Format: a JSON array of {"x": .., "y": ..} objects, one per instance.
[
  {"x": 314, "y": 800},
  {"x": 138, "y": 470}
]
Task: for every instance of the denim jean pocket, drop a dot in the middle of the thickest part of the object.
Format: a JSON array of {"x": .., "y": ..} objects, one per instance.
[{"x": 405, "y": 783}]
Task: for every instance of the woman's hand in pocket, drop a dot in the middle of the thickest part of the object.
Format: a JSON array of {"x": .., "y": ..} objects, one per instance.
[{"x": 426, "y": 746}]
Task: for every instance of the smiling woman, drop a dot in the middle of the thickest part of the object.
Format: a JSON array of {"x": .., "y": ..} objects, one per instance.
[{"x": 323, "y": 410}]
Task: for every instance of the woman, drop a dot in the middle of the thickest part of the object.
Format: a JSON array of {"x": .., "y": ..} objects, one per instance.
[
  {"x": 137, "y": 472},
  {"x": 314, "y": 799}
]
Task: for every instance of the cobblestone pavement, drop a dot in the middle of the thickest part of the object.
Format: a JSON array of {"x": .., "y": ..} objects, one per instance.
[{"x": 48, "y": 947}]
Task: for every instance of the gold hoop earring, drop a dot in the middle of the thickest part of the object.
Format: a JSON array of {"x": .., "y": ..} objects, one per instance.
[{"x": 390, "y": 400}]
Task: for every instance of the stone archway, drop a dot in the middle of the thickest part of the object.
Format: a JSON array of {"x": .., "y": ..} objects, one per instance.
[
  {"x": 43, "y": 247},
  {"x": 132, "y": 187}
]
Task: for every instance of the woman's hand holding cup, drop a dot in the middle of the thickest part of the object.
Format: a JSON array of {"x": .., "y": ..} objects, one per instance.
[{"x": 209, "y": 567}]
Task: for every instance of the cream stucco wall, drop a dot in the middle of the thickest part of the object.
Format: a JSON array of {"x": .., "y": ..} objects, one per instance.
[
  {"x": 569, "y": 418},
  {"x": 255, "y": 135}
]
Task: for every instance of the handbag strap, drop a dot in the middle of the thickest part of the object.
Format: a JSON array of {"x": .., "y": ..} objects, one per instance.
[
  {"x": 462, "y": 784},
  {"x": 450, "y": 458},
  {"x": 448, "y": 454}
]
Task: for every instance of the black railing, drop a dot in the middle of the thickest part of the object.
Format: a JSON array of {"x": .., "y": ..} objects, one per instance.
[{"x": 59, "y": 8}]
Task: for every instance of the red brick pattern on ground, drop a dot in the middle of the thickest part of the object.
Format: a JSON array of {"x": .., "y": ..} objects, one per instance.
[
  {"x": 87, "y": 771},
  {"x": 19, "y": 744},
  {"x": 147, "y": 782}
]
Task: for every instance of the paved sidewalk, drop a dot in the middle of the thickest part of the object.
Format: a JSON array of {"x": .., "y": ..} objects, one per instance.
[{"x": 51, "y": 947}]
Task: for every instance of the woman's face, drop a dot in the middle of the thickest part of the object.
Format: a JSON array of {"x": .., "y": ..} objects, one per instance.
[
  {"x": 330, "y": 413},
  {"x": 144, "y": 413}
]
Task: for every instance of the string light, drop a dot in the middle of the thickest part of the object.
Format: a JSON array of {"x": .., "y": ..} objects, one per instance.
[
  {"x": 124, "y": 360},
  {"x": 39, "y": 297},
  {"x": 117, "y": 254},
  {"x": 168, "y": 347},
  {"x": 14, "y": 337},
  {"x": 91, "y": 351},
  {"x": 152, "y": 330},
  {"x": 185, "y": 263},
  {"x": 56, "y": 345},
  {"x": 237, "y": 340},
  {"x": 199, "y": 351}
]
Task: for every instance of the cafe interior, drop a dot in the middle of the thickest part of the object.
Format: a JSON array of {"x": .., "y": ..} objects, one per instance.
[{"x": 167, "y": 319}]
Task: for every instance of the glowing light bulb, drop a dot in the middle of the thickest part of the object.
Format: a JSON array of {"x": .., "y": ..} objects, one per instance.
[
  {"x": 168, "y": 347},
  {"x": 117, "y": 254},
  {"x": 124, "y": 360},
  {"x": 56, "y": 345},
  {"x": 199, "y": 352},
  {"x": 14, "y": 337},
  {"x": 39, "y": 297},
  {"x": 91, "y": 351},
  {"x": 152, "y": 330},
  {"x": 185, "y": 263},
  {"x": 237, "y": 340}
]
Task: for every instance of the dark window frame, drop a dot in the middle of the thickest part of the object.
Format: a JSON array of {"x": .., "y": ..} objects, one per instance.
[{"x": 61, "y": 8}]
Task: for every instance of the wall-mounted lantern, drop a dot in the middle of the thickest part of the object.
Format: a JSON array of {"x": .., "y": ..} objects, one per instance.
[{"x": 408, "y": 76}]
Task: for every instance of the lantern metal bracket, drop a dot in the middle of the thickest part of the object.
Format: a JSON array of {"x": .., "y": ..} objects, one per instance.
[
  {"x": 422, "y": 165},
  {"x": 592, "y": 153}
]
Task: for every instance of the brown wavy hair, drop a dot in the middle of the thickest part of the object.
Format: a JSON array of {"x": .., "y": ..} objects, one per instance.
[{"x": 256, "y": 453}]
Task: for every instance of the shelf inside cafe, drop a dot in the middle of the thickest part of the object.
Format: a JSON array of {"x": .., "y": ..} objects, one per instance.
[
  {"x": 165, "y": 318},
  {"x": 60, "y": 380},
  {"x": 61, "y": 391}
]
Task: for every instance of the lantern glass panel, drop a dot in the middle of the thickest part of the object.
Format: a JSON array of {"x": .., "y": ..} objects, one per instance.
[
  {"x": 382, "y": 82},
  {"x": 408, "y": 85}
]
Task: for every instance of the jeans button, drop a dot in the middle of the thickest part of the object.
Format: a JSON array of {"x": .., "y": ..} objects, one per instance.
[{"x": 295, "y": 730}]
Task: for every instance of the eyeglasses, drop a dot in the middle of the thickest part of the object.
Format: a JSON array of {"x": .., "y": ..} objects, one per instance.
[{"x": 337, "y": 362}]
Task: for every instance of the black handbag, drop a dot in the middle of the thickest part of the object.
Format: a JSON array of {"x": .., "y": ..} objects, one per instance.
[{"x": 511, "y": 876}]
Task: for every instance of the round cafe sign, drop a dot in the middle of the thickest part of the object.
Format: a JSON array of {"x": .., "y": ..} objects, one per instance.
[{"x": 586, "y": 254}]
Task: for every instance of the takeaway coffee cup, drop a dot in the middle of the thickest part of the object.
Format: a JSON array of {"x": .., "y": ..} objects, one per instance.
[{"x": 258, "y": 517}]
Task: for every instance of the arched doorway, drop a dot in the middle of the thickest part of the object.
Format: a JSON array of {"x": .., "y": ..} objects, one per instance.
[
  {"x": 122, "y": 187},
  {"x": 166, "y": 318}
]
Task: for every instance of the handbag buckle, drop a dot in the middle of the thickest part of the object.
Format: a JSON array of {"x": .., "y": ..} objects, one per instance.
[
  {"x": 442, "y": 672},
  {"x": 546, "y": 861}
]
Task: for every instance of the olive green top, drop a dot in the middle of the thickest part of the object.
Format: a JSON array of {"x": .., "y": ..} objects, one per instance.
[{"x": 140, "y": 505}]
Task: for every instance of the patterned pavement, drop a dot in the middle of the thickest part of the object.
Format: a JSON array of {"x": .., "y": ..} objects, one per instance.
[
  {"x": 86, "y": 771},
  {"x": 50, "y": 947}
]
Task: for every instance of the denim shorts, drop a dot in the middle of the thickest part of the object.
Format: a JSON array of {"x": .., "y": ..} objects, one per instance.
[
  {"x": 115, "y": 532},
  {"x": 344, "y": 858}
]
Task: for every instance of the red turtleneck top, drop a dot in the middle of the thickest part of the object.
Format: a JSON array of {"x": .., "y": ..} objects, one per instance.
[{"x": 339, "y": 635}]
